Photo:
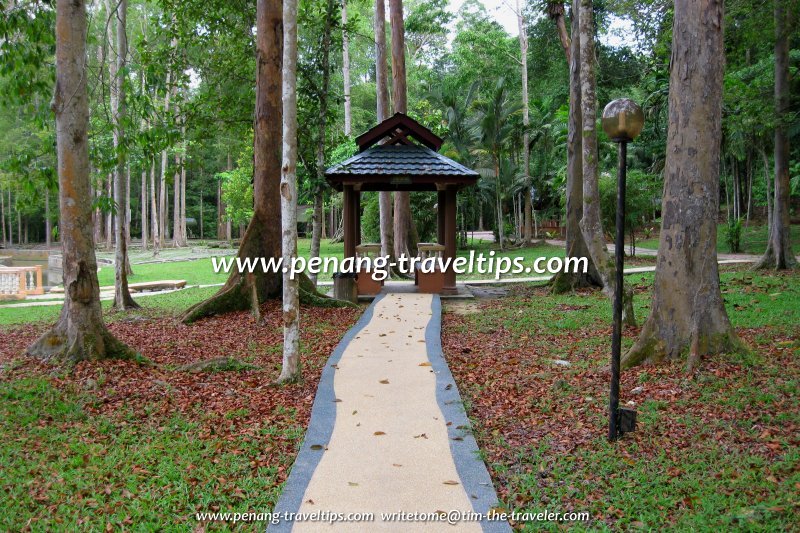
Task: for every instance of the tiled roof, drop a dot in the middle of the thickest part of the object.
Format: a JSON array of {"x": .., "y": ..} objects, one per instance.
[{"x": 400, "y": 160}]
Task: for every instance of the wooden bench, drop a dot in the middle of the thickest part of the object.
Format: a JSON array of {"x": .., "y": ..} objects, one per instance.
[{"x": 162, "y": 285}]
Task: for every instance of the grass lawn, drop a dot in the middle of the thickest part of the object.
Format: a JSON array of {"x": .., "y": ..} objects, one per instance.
[
  {"x": 117, "y": 446},
  {"x": 715, "y": 449},
  {"x": 753, "y": 239}
]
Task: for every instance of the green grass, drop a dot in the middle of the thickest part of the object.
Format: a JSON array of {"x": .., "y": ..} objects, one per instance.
[
  {"x": 656, "y": 480},
  {"x": 170, "y": 303},
  {"x": 82, "y": 472},
  {"x": 753, "y": 239}
]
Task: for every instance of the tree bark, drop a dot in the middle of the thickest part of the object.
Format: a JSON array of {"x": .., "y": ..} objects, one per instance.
[
  {"x": 162, "y": 197},
  {"x": 110, "y": 214},
  {"x": 402, "y": 200},
  {"x": 122, "y": 296},
  {"x": 154, "y": 209},
  {"x": 184, "y": 235},
  {"x": 382, "y": 98},
  {"x": 591, "y": 225},
  {"x": 555, "y": 10},
  {"x": 348, "y": 109},
  {"x": 144, "y": 209},
  {"x": 80, "y": 333},
  {"x": 688, "y": 313},
  {"x": 526, "y": 121},
  {"x": 318, "y": 188},
  {"x": 3, "y": 218},
  {"x": 767, "y": 187},
  {"x": 47, "y": 224},
  {"x": 779, "y": 254},
  {"x": 263, "y": 235},
  {"x": 290, "y": 369},
  {"x": 576, "y": 245}
]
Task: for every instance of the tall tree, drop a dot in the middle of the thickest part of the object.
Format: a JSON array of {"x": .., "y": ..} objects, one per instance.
[
  {"x": 591, "y": 223},
  {"x": 382, "y": 88},
  {"x": 80, "y": 333},
  {"x": 402, "y": 199},
  {"x": 526, "y": 121},
  {"x": 576, "y": 244},
  {"x": 322, "y": 124},
  {"x": 688, "y": 313},
  {"x": 291, "y": 294},
  {"x": 245, "y": 290},
  {"x": 348, "y": 107},
  {"x": 494, "y": 131},
  {"x": 122, "y": 296},
  {"x": 779, "y": 252}
]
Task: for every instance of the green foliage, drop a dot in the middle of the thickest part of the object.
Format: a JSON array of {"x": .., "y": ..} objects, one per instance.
[
  {"x": 642, "y": 196},
  {"x": 733, "y": 235},
  {"x": 237, "y": 189}
]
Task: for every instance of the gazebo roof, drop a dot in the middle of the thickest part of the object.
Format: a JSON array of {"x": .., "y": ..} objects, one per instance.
[{"x": 399, "y": 164}]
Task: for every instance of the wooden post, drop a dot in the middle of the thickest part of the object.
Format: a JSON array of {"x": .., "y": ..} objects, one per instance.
[
  {"x": 450, "y": 238},
  {"x": 440, "y": 211},
  {"x": 349, "y": 223},
  {"x": 356, "y": 218}
]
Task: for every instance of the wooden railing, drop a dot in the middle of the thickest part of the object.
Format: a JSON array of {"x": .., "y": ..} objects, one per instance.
[{"x": 18, "y": 282}]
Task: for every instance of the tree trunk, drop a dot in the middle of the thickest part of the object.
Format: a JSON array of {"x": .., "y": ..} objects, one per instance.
[
  {"x": 769, "y": 191},
  {"x": 48, "y": 229},
  {"x": 290, "y": 369},
  {"x": 555, "y": 10},
  {"x": 154, "y": 209},
  {"x": 779, "y": 254},
  {"x": 576, "y": 245},
  {"x": 591, "y": 225},
  {"x": 144, "y": 209},
  {"x": 402, "y": 200},
  {"x": 688, "y": 313},
  {"x": 316, "y": 217},
  {"x": 162, "y": 196},
  {"x": 184, "y": 235},
  {"x": 263, "y": 235},
  {"x": 498, "y": 203},
  {"x": 526, "y": 149},
  {"x": 79, "y": 333},
  {"x": 178, "y": 239},
  {"x": 110, "y": 215},
  {"x": 382, "y": 88},
  {"x": 348, "y": 109},
  {"x": 3, "y": 218},
  {"x": 10, "y": 220},
  {"x": 122, "y": 296}
]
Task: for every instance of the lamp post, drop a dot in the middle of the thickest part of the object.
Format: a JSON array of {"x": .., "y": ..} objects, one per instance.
[{"x": 622, "y": 121}]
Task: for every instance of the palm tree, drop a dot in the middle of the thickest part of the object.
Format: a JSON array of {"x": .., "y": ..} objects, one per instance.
[{"x": 492, "y": 130}]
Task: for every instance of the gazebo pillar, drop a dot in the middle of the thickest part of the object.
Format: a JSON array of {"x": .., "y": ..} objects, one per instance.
[
  {"x": 356, "y": 216},
  {"x": 440, "y": 210},
  {"x": 450, "y": 205},
  {"x": 349, "y": 221}
]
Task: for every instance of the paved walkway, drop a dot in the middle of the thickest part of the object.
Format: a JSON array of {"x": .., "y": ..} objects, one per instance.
[{"x": 387, "y": 431}]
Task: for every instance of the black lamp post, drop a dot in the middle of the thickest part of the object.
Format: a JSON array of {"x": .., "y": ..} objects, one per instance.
[{"x": 622, "y": 121}]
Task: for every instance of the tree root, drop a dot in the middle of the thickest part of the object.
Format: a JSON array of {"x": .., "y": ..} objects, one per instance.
[
  {"x": 245, "y": 293},
  {"x": 63, "y": 344},
  {"x": 651, "y": 347}
]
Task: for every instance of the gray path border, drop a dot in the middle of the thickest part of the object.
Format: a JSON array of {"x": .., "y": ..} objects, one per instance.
[
  {"x": 320, "y": 429},
  {"x": 469, "y": 465}
]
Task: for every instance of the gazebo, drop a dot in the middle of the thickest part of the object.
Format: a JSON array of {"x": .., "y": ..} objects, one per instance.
[{"x": 400, "y": 154}]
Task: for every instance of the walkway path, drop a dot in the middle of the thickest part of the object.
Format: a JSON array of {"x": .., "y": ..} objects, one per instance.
[{"x": 387, "y": 429}]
